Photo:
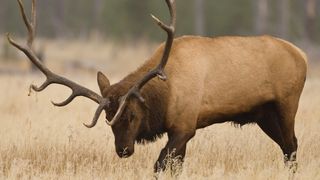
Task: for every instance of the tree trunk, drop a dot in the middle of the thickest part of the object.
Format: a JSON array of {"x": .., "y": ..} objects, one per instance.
[
  {"x": 284, "y": 11},
  {"x": 97, "y": 11},
  {"x": 3, "y": 15},
  {"x": 58, "y": 17},
  {"x": 310, "y": 21},
  {"x": 261, "y": 14},
  {"x": 199, "y": 12}
]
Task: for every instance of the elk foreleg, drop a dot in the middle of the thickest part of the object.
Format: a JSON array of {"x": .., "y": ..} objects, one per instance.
[{"x": 172, "y": 155}]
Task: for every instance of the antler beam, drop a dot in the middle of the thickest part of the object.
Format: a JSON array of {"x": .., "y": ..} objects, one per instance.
[{"x": 52, "y": 78}]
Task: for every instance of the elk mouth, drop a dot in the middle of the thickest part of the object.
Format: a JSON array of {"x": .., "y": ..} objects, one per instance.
[{"x": 124, "y": 152}]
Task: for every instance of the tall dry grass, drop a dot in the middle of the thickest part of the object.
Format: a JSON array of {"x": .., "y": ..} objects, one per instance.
[{"x": 39, "y": 141}]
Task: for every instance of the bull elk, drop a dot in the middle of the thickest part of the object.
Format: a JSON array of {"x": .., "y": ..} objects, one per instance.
[{"x": 211, "y": 80}]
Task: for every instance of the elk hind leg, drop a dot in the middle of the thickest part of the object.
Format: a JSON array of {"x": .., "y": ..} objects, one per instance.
[
  {"x": 288, "y": 111},
  {"x": 269, "y": 123},
  {"x": 281, "y": 131}
]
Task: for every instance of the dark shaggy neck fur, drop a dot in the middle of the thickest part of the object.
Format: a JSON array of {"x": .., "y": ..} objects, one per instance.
[
  {"x": 152, "y": 126},
  {"x": 155, "y": 92}
]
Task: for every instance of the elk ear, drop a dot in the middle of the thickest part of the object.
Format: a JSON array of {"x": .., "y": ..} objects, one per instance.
[{"x": 103, "y": 81}]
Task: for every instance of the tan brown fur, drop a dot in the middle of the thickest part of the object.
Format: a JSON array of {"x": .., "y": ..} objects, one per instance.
[{"x": 215, "y": 80}]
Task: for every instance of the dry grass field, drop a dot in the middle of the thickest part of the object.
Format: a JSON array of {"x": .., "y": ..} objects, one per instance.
[{"x": 40, "y": 141}]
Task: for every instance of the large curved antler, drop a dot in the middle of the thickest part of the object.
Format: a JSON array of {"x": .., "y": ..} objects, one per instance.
[
  {"x": 52, "y": 78},
  {"x": 159, "y": 70}
]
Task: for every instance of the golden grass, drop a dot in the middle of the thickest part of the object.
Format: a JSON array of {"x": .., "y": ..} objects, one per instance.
[{"x": 39, "y": 141}]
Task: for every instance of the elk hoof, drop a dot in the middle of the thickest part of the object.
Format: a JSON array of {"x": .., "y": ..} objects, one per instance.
[{"x": 291, "y": 163}]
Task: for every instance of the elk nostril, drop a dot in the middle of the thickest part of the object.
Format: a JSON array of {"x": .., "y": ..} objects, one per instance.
[{"x": 125, "y": 151}]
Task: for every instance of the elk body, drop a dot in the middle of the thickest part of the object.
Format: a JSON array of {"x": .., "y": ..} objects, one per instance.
[
  {"x": 214, "y": 80},
  {"x": 210, "y": 80}
]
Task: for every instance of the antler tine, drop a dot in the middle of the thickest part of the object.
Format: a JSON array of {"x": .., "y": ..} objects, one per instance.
[
  {"x": 30, "y": 26},
  {"x": 170, "y": 32},
  {"x": 65, "y": 102},
  {"x": 105, "y": 103},
  {"x": 33, "y": 20},
  {"x": 172, "y": 8},
  {"x": 34, "y": 13},
  {"x": 159, "y": 69},
  {"x": 51, "y": 78}
]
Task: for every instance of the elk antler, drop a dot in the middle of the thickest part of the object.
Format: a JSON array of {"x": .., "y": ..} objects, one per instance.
[
  {"x": 52, "y": 78},
  {"x": 159, "y": 70}
]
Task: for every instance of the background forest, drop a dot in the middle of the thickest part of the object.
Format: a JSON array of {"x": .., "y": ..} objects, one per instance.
[{"x": 294, "y": 20}]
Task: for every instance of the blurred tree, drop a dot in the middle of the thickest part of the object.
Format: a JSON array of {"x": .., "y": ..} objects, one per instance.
[
  {"x": 127, "y": 19},
  {"x": 97, "y": 13},
  {"x": 199, "y": 12},
  {"x": 58, "y": 17},
  {"x": 138, "y": 19},
  {"x": 3, "y": 9},
  {"x": 310, "y": 19},
  {"x": 261, "y": 16},
  {"x": 284, "y": 12},
  {"x": 12, "y": 19},
  {"x": 229, "y": 17}
]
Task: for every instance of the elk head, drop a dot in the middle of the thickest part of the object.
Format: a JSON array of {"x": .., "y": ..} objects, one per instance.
[{"x": 124, "y": 110}]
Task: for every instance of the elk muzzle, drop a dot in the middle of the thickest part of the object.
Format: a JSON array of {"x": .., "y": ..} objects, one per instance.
[{"x": 125, "y": 151}]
